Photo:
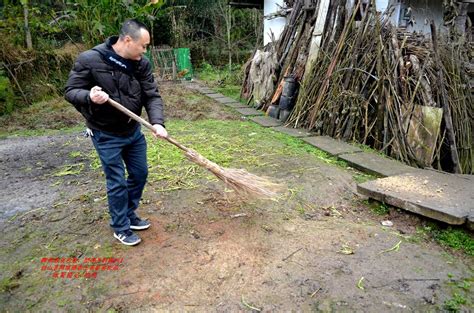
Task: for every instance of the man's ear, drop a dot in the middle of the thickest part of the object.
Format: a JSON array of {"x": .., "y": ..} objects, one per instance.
[{"x": 128, "y": 39}]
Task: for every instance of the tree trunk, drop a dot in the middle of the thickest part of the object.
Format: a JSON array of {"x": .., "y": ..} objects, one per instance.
[
  {"x": 29, "y": 43},
  {"x": 228, "y": 21}
]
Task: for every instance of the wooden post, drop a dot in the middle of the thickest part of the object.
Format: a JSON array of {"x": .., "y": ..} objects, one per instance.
[
  {"x": 317, "y": 35},
  {"x": 174, "y": 68}
]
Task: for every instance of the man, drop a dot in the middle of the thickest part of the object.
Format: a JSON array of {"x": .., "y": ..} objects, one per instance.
[{"x": 117, "y": 69}]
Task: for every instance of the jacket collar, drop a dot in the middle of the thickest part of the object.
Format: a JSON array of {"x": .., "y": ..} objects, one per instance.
[
  {"x": 109, "y": 42},
  {"x": 113, "y": 59}
]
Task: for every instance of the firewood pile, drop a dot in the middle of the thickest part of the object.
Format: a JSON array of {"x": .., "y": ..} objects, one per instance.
[{"x": 404, "y": 94}]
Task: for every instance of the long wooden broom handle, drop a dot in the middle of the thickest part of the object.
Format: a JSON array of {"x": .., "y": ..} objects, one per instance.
[{"x": 140, "y": 120}]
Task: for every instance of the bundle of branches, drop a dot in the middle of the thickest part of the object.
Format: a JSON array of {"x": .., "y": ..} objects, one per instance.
[
  {"x": 461, "y": 103},
  {"x": 291, "y": 49},
  {"x": 374, "y": 85}
]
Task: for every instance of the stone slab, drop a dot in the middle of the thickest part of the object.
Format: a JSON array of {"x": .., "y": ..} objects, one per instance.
[
  {"x": 266, "y": 121},
  {"x": 248, "y": 111},
  {"x": 192, "y": 85},
  {"x": 198, "y": 87},
  {"x": 294, "y": 132},
  {"x": 331, "y": 145},
  {"x": 215, "y": 95},
  {"x": 206, "y": 91},
  {"x": 224, "y": 100},
  {"x": 441, "y": 196},
  {"x": 235, "y": 105},
  {"x": 376, "y": 164}
]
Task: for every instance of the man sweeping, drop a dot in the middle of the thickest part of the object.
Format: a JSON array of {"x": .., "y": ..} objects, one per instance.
[{"x": 117, "y": 69}]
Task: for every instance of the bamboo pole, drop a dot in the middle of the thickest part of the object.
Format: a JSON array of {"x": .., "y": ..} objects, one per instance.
[{"x": 331, "y": 67}]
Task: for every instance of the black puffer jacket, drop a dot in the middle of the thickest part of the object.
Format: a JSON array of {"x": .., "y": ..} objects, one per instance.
[{"x": 134, "y": 88}]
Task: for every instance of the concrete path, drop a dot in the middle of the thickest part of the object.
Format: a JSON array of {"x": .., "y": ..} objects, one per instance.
[
  {"x": 215, "y": 95},
  {"x": 235, "y": 105},
  {"x": 331, "y": 145},
  {"x": 266, "y": 121},
  {"x": 249, "y": 111},
  {"x": 376, "y": 164},
  {"x": 441, "y": 196},
  {"x": 293, "y": 132}
]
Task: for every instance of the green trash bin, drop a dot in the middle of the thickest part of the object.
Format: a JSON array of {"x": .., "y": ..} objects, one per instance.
[{"x": 183, "y": 63}]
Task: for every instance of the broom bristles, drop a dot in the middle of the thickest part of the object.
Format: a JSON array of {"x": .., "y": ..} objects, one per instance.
[{"x": 242, "y": 182}]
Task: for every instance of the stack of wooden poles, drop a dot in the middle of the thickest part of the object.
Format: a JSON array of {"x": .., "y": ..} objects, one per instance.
[{"x": 400, "y": 93}]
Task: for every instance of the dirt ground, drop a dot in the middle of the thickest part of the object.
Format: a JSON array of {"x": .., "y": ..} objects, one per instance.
[{"x": 319, "y": 249}]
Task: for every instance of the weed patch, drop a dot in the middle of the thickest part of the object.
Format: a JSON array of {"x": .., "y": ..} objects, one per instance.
[
  {"x": 458, "y": 239},
  {"x": 227, "y": 143},
  {"x": 230, "y": 91},
  {"x": 454, "y": 238},
  {"x": 223, "y": 81},
  {"x": 455, "y": 303},
  {"x": 362, "y": 178},
  {"x": 377, "y": 208}
]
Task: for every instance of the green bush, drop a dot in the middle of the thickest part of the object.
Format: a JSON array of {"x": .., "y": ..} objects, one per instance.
[
  {"x": 7, "y": 98},
  {"x": 221, "y": 76}
]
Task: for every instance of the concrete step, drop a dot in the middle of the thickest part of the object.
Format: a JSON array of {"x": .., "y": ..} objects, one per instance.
[
  {"x": 249, "y": 111},
  {"x": 373, "y": 163},
  {"x": 330, "y": 145},
  {"x": 293, "y": 132},
  {"x": 266, "y": 121},
  {"x": 444, "y": 197}
]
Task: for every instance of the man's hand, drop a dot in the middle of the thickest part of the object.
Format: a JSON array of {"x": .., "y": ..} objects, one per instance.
[
  {"x": 160, "y": 131},
  {"x": 98, "y": 96}
]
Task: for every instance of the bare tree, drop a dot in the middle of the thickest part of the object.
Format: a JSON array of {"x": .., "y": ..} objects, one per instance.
[
  {"x": 29, "y": 43},
  {"x": 225, "y": 11}
]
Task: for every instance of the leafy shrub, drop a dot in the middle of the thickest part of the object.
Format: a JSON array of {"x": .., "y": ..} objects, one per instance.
[{"x": 7, "y": 97}]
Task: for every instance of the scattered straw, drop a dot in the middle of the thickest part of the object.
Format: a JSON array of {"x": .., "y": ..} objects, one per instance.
[{"x": 245, "y": 184}]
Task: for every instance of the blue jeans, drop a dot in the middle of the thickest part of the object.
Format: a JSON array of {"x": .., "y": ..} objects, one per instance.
[{"x": 123, "y": 194}]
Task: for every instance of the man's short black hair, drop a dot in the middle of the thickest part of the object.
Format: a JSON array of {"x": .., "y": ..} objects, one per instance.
[{"x": 132, "y": 28}]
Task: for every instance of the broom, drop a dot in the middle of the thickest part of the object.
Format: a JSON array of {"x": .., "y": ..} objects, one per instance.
[{"x": 244, "y": 183}]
